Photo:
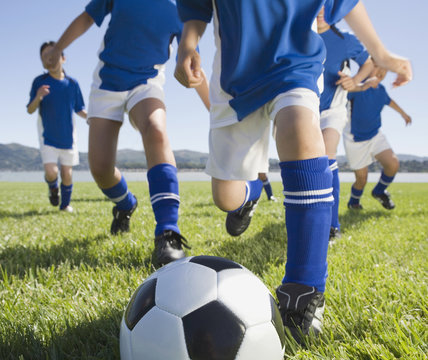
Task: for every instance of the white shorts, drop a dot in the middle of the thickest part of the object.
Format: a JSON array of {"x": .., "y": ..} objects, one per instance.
[
  {"x": 362, "y": 153},
  {"x": 239, "y": 151},
  {"x": 66, "y": 157},
  {"x": 334, "y": 118},
  {"x": 112, "y": 105}
]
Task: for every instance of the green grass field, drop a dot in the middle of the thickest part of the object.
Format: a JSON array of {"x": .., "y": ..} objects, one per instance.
[{"x": 64, "y": 281}]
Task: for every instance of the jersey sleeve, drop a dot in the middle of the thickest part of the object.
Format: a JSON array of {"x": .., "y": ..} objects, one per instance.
[
  {"x": 195, "y": 10},
  {"x": 355, "y": 50},
  {"x": 336, "y": 10},
  {"x": 386, "y": 98},
  {"x": 33, "y": 91},
  {"x": 99, "y": 9},
  {"x": 79, "y": 103}
]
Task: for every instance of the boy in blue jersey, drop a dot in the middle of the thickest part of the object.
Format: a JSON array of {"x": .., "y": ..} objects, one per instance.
[
  {"x": 129, "y": 78},
  {"x": 365, "y": 143},
  {"x": 56, "y": 96},
  {"x": 341, "y": 47},
  {"x": 267, "y": 66}
]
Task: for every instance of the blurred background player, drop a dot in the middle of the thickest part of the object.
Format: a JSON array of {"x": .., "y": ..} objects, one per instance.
[
  {"x": 365, "y": 143},
  {"x": 56, "y": 96},
  {"x": 267, "y": 65},
  {"x": 341, "y": 48},
  {"x": 267, "y": 186},
  {"x": 129, "y": 79}
]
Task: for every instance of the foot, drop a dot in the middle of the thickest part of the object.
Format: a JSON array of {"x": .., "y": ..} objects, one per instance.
[
  {"x": 334, "y": 233},
  {"x": 54, "y": 196},
  {"x": 68, "y": 209},
  {"x": 273, "y": 198},
  {"x": 385, "y": 199},
  {"x": 169, "y": 247},
  {"x": 301, "y": 309},
  {"x": 121, "y": 219},
  {"x": 355, "y": 206},
  {"x": 237, "y": 222}
]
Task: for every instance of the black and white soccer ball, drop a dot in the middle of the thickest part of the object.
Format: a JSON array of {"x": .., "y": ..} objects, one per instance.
[{"x": 202, "y": 307}]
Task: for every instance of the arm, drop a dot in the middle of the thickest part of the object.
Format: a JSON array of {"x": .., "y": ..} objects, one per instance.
[
  {"x": 349, "y": 83},
  {"x": 361, "y": 24},
  {"x": 397, "y": 108},
  {"x": 83, "y": 114},
  {"x": 42, "y": 91},
  {"x": 203, "y": 90},
  {"x": 188, "y": 69},
  {"x": 77, "y": 28}
]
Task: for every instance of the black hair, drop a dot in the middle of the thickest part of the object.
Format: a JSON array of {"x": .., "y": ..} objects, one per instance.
[{"x": 46, "y": 44}]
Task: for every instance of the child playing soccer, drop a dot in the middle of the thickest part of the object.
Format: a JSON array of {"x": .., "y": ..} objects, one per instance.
[
  {"x": 267, "y": 66},
  {"x": 129, "y": 78},
  {"x": 56, "y": 96},
  {"x": 267, "y": 186},
  {"x": 364, "y": 141},
  {"x": 341, "y": 48}
]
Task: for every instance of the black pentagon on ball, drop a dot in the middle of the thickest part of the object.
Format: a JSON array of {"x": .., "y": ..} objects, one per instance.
[
  {"x": 141, "y": 302},
  {"x": 213, "y": 332},
  {"x": 215, "y": 262},
  {"x": 277, "y": 321}
]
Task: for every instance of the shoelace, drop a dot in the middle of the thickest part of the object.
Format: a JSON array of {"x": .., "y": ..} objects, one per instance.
[{"x": 179, "y": 238}]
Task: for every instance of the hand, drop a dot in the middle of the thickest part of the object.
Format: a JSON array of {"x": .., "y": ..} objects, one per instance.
[
  {"x": 347, "y": 82},
  {"x": 188, "y": 69},
  {"x": 372, "y": 82},
  {"x": 407, "y": 119},
  {"x": 42, "y": 91},
  {"x": 403, "y": 68}
]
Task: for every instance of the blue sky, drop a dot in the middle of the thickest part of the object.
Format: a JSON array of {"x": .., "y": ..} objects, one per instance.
[{"x": 24, "y": 25}]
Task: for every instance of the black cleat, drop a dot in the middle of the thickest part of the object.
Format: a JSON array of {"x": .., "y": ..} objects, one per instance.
[
  {"x": 54, "y": 196},
  {"x": 237, "y": 222},
  {"x": 121, "y": 219},
  {"x": 355, "y": 206},
  {"x": 169, "y": 247},
  {"x": 334, "y": 233},
  {"x": 384, "y": 199},
  {"x": 301, "y": 309}
]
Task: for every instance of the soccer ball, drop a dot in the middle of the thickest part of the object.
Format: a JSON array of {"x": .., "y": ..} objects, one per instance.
[{"x": 202, "y": 307}]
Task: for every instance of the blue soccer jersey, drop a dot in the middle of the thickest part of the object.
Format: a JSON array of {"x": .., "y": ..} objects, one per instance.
[
  {"x": 137, "y": 39},
  {"x": 56, "y": 109},
  {"x": 366, "y": 107},
  {"x": 269, "y": 47},
  {"x": 341, "y": 46}
]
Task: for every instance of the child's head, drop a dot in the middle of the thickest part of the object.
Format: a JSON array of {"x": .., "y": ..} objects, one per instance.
[
  {"x": 44, "y": 50},
  {"x": 322, "y": 25}
]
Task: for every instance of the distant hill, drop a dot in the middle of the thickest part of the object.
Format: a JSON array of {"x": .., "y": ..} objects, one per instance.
[{"x": 16, "y": 157}]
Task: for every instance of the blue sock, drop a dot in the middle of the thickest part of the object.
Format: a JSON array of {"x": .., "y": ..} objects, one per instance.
[
  {"x": 164, "y": 196},
  {"x": 253, "y": 190},
  {"x": 383, "y": 183},
  {"x": 52, "y": 184},
  {"x": 336, "y": 193},
  {"x": 355, "y": 196},
  {"x": 268, "y": 188},
  {"x": 66, "y": 191},
  {"x": 308, "y": 201},
  {"x": 120, "y": 195}
]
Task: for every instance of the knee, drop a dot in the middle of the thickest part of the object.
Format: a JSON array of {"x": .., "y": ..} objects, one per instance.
[{"x": 101, "y": 169}]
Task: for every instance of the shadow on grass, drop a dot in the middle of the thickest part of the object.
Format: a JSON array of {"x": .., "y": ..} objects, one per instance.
[
  {"x": 353, "y": 218},
  {"x": 266, "y": 247},
  {"x": 17, "y": 260},
  {"x": 93, "y": 339},
  {"x": 20, "y": 215}
]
